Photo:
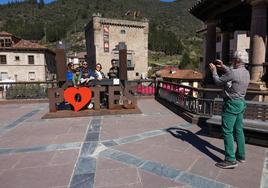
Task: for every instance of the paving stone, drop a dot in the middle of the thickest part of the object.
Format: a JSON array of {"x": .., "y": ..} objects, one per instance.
[
  {"x": 136, "y": 148},
  {"x": 95, "y": 121},
  {"x": 205, "y": 167},
  {"x": 135, "y": 185},
  {"x": 7, "y": 141},
  {"x": 116, "y": 177},
  {"x": 37, "y": 177},
  {"x": 64, "y": 157},
  {"x": 264, "y": 181},
  {"x": 95, "y": 127},
  {"x": 123, "y": 157},
  {"x": 108, "y": 135},
  {"x": 151, "y": 106},
  {"x": 128, "y": 139},
  {"x": 199, "y": 181},
  {"x": 169, "y": 157},
  {"x": 30, "y": 160},
  {"x": 15, "y": 123},
  {"x": 191, "y": 157},
  {"x": 69, "y": 138},
  {"x": 85, "y": 166},
  {"x": 8, "y": 161},
  {"x": 77, "y": 129},
  {"x": 109, "y": 143},
  {"x": 39, "y": 140},
  {"x": 236, "y": 177},
  {"x": 45, "y": 148},
  {"x": 109, "y": 164},
  {"x": 92, "y": 136},
  {"x": 83, "y": 181},
  {"x": 160, "y": 169},
  {"x": 152, "y": 181},
  {"x": 88, "y": 149},
  {"x": 6, "y": 150},
  {"x": 152, "y": 133},
  {"x": 14, "y": 113}
]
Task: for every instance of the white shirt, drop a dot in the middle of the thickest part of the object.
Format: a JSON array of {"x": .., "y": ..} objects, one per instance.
[{"x": 99, "y": 75}]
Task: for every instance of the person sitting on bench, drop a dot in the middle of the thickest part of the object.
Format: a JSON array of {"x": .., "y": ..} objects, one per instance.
[
  {"x": 86, "y": 74},
  {"x": 76, "y": 78},
  {"x": 99, "y": 75},
  {"x": 114, "y": 70}
]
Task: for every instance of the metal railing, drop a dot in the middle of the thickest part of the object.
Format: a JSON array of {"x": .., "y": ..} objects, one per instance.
[
  {"x": 38, "y": 90},
  {"x": 143, "y": 87},
  {"x": 255, "y": 110},
  {"x": 186, "y": 97},
  {"x": 202, "y": 101},
  {"x": 25, "y": 90}
]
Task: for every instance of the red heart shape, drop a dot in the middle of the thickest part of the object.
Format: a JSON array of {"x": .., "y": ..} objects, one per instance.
[{"x": 84, "y": 92}]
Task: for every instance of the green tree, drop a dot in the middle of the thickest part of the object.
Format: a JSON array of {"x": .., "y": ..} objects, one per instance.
[
  {"x": 188, "y": 62},
  {"x": 185, "y": 61},
  {"x": 41, "y": 4}
]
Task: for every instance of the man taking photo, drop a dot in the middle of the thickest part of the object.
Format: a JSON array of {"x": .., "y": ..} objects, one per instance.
[{"x": 235, "y": 81}]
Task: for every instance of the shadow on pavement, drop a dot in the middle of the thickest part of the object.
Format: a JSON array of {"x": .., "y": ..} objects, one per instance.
[{"x": 197, "y": 142}]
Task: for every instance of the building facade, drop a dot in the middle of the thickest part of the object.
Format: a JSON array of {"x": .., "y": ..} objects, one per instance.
[
  {"x": 231, "y": 16},
  {"x": 185, "y": 77},
  {"x": 239, "y": 40},
  {"x": 103, "y": 36},
  {"x": 77, "y": 58},
  {"x": 23, "y": 61}
]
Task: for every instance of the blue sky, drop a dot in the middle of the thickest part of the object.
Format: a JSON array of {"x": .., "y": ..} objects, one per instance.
[{"x": 5, "y": 1}]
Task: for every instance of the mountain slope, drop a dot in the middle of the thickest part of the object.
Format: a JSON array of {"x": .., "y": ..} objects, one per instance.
[{"x": 65, "y": 19}]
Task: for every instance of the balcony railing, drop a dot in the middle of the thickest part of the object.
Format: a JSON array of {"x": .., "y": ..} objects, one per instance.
[
  {"x": 185, "y": 97},
  {"x": 204, "y": 101},
  {"x": 25, "y": 90},
  {"x": 143, "y": 87},
  {"x": 38, "y": 90}
]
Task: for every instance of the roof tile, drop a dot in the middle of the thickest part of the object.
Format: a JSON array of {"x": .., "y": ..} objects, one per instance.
[{"x": 181, "y": 74}]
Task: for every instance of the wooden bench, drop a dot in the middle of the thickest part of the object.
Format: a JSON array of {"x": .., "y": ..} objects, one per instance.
[{"x": 255, "y": 121}]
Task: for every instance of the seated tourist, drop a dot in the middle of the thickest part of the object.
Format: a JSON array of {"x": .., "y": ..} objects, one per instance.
[
  {"x": 80, "y": 66},
  {"x": 114, "y": 70},
  {"x": 76, "y": 78},
  {"x": 86, "y": 74},
  {"x": 99, "y": 75},
  {"x": 70, "y": 72}
]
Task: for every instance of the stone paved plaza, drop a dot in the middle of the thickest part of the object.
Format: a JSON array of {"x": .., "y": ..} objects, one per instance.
[{"x": 155, "y": 149}]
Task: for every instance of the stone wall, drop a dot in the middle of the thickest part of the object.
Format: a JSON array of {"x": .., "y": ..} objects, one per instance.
[{"x": 133, "y": 33}]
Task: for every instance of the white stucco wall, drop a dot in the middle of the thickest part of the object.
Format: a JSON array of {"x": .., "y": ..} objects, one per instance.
[{"x": 21, "y": 68}]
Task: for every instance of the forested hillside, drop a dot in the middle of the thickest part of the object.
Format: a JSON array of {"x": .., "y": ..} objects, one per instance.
[{"x": 172, "y": 28}]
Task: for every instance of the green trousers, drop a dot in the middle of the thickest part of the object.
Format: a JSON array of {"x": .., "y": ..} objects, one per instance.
[{"x": 232, "y": 126}]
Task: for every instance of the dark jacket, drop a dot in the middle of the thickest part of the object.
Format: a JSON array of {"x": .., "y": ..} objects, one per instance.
[
  {"x": 113, "y": 72},
  {"x": 86, "y": 73}
]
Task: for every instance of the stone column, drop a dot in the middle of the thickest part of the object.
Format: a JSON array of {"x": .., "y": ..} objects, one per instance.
[
  {"x": 210, "y": 49},
  {"x": 98, "y": 47},
  {"x": 258, "y": 39},
  {"x": 225, "y": 47}
]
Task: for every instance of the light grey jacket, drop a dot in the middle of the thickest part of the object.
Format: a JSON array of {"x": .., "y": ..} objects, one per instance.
[{"x": 235, "y": 82}]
